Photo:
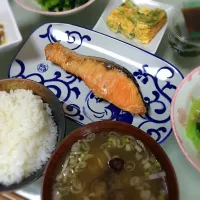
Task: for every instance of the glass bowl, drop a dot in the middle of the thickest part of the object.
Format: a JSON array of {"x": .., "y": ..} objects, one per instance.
[{"x": 179, "y": 38}]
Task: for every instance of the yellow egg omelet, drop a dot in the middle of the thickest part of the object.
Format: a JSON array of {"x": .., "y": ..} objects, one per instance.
[
  {"x": 118, "y": 20},
  {"x": 139, "y": 22}
]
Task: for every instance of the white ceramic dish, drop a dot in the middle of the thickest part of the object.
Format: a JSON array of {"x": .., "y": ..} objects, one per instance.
[
  {"x": 13, "y": 36},
  {"x": 112, "y": 4},
  {"x": 180, "y": 107},
  {"x": 157, "y": 78},
  {"x": 33, "y": 6}
]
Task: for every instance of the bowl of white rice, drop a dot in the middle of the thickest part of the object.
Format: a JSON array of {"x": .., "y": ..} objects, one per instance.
[{"x": 32, "y": 124}]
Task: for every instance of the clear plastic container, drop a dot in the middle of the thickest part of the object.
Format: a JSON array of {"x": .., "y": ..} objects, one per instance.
[{"x": 179, "y": 38}]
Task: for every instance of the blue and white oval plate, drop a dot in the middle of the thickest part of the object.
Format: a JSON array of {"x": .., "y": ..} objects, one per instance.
[{"x": 157, "y": 78}]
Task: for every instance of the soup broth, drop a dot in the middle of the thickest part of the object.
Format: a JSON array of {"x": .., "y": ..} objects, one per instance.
[{"x": 109, "y": 166}]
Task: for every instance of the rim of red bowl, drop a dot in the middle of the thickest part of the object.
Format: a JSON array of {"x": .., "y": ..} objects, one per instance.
[
  {"x": 55, "y": 13},
  {"x": 107, "y": 125},
  {"x": 172, "y": 119}
]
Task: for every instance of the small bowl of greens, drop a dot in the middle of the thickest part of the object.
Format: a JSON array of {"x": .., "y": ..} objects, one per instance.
[
  {"x": 54, "y": 7},
  {"x": 185, "y": 117}
]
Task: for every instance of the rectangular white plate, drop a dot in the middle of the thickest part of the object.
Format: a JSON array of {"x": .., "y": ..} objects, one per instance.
[
  {"x": 112, "y": 4},
  {"x": 157, "y": 78},
  {"x": 13, "y": 36}
]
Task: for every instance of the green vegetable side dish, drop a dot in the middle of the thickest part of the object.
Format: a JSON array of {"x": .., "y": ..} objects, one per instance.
[
  {"x": 60, "y": 5},
  {"x": 193, "y": 124}
]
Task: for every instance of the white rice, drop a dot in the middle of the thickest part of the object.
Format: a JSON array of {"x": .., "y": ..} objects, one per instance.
[{"x": 28, "y": 135}]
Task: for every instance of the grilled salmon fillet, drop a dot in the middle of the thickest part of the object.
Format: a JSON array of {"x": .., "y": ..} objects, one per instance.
[{"x": 106, "y": 79}]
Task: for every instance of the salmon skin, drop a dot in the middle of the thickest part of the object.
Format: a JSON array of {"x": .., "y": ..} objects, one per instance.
[{"x": 106, "y": 79}]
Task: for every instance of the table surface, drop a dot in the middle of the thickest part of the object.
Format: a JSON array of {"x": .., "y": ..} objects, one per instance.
[{"x": 188, "y": 177}]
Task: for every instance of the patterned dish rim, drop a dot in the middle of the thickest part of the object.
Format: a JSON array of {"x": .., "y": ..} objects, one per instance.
[
  {"x": 77, "y": 122},
  {"x": 55, "y": 13},
  {"x": 154, "y": 55},
  {"x": 172, "y": 119}
]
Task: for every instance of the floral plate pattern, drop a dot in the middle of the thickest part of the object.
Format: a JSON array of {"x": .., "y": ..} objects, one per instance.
[
  {"x": 180, "y": 108},
  {"x": 157, "y": 78}
]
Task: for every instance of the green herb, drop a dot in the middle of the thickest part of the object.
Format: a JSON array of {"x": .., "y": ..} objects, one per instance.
[
  {"x": 151, "y": 18},
  {"x": 192, "y": 127},
  {"x": 60, "y": 5},
  {"x": 131, "y": 4}
]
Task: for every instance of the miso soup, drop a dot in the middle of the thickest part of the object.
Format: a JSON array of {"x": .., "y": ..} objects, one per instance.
[{"x": 109, "y": 166}]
